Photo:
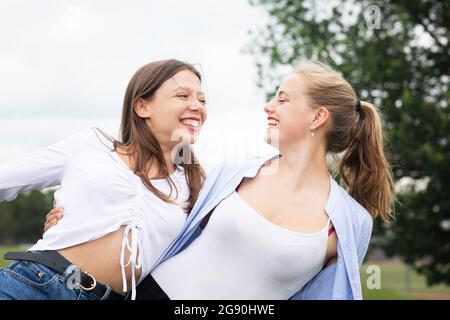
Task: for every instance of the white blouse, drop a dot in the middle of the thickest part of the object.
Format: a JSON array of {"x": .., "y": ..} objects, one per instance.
[{"x": 99, "y": 194}]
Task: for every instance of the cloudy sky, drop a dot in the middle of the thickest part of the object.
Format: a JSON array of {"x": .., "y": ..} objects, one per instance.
[{"x": 64, "y": 66}]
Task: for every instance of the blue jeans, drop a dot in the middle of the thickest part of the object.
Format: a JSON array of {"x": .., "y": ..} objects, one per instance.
[{"x": 24, "y": 280}]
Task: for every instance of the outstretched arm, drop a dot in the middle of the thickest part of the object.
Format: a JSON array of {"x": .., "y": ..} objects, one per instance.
[{"x": 38, "y": 170}]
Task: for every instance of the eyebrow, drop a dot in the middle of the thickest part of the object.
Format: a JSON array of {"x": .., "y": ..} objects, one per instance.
[
  {"x": 282, "y": 92},
  {"x": 188, "y": 89}
]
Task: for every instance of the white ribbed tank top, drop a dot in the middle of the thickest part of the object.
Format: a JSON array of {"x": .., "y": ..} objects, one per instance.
[{"x": 242, "y": 255}]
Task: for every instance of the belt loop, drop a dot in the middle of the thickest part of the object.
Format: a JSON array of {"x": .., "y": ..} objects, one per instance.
[
  {"x": 108, "y": 291},
  {"x": 69, "y": 271}
]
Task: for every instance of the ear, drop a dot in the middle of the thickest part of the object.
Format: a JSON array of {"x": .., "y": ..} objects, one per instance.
[
  {"x": 321, "y": 116},
  {"x": 142, "y": 108}
]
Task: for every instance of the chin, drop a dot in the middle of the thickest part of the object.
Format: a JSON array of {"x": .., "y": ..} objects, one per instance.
[
  {"x": 189, "y": 137},
  {"x": 183, "y": 136},
  {"x": 272, "y": 138}
]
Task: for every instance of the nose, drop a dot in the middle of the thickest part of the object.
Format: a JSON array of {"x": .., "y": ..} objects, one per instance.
[
  {"x": 196, "y": 105},
  {"x": 269, "y": 107}
]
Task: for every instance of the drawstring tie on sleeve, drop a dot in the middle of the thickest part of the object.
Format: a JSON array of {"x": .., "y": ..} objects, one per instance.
[{"x": 134, "y": 259}]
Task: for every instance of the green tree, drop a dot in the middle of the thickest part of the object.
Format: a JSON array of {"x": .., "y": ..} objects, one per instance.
[
  {"x": 396, "y": 55},
  {"x": 21, "y": 220}
]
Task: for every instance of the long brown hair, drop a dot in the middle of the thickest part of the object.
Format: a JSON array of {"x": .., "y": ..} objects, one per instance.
[
  {"x": 139, "y": 140},
  {"x": 355, "y": 130}
]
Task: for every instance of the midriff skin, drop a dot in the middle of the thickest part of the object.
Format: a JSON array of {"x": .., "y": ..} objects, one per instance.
[{"x": 101, "y": 259}]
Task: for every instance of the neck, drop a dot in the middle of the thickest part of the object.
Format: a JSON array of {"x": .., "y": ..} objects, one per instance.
[
  {"x": 304, "y": 164},
  {"x": 167, "y": 155}
]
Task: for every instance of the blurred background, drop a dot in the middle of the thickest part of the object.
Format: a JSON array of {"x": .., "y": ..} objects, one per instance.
[{"x": 64, "y": 66}]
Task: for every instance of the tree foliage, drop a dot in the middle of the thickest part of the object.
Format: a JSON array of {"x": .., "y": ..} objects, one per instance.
[{"x": 22, "y": 220}]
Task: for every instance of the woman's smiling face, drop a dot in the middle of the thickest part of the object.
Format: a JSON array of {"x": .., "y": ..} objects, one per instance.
[
  {"x": 288, "y": 113},
  {"x": 177, "y": 110}
]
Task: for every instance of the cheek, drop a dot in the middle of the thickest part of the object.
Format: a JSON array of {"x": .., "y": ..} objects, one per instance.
[
  {"x": 294, "y": 127},
  {"x": 205, "y": 115},
  {"x": 166, "y": 119}
]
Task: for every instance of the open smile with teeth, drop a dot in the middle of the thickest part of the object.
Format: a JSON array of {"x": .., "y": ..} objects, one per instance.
[
  {"x": 273, "y": 123},
  {"x": 191, "y": 123}
]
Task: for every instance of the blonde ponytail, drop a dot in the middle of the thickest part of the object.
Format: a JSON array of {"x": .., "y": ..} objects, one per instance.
[
  {"x": 356, "y": 131},
  {"x": 364, "y": 167}
]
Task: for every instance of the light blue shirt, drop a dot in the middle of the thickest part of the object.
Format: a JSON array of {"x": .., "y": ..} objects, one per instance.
[{"x": 352, "y": 223}]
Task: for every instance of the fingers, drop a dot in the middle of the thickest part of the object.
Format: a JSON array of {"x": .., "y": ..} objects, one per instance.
[
  {"x": 50, "y": 224},
  {"x": 52, "y": 218},
  {"x": 57, "y": 213}
]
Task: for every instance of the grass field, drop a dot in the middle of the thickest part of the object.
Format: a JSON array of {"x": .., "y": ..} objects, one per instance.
[
  {"x": 393, "y": 277},
  {"x": 4, "y": 249},
  {"x": 393, "y": 284}
]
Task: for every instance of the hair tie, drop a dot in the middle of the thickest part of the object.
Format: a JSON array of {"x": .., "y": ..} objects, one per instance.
[{"x": 358, "y": 106}]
